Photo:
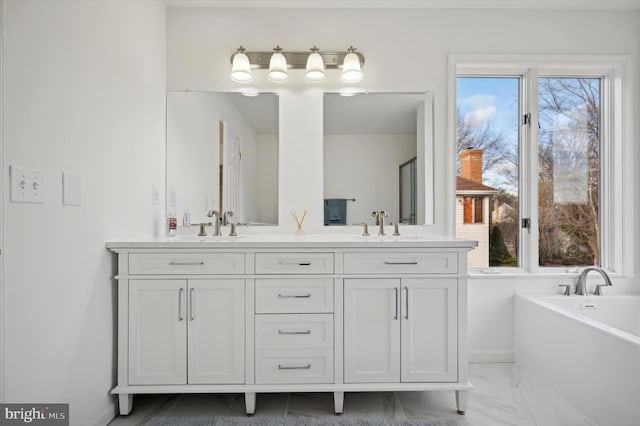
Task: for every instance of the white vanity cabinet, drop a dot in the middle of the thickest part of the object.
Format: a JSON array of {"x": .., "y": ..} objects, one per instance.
[
  {"x": 291, "y": 315},
  {"x": 400, "y": 330},
  {"x": 186, "y": 331}
]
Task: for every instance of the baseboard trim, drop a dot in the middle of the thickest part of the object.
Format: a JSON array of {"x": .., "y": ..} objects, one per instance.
[
  {"x": 107, "y": 416},
  {"x": 492, "y": 356}
]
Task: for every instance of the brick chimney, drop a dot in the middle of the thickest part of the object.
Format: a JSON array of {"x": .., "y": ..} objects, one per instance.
[{"x": 471, "y": 164}]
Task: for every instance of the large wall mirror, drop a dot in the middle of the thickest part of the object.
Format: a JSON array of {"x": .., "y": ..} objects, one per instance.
[
  {"x": 378, "y": 150},
  {"x": 222, "y": 154}
]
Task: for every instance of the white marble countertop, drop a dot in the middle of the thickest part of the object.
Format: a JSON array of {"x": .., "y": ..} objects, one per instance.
[{"x": 291, "y": 241}]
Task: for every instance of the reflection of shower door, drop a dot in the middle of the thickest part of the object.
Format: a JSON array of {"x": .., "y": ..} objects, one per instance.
[
  {"x": 408, "y": 192},
  {"x": 231, "y": 170}
]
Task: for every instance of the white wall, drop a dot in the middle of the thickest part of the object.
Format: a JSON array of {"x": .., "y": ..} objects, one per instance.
[
  {"x": 84, "y": 93},
  {"x": 366, "y": 167},
  {"x": 199, "y": 59}
]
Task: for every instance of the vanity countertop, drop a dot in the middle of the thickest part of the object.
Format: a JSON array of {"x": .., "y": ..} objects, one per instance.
[{"x": 291, "y": 241}]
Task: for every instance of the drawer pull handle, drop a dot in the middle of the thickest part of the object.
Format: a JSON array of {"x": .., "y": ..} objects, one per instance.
[
  {"x": 294, "y": 332},
  {"x": 294, "y": 296},
  {"x": 294, "y": 367},
  {"x": 388, "y": 262},
  {"x": 186, "y": 263},
  {"x": 307, "y": 263}
]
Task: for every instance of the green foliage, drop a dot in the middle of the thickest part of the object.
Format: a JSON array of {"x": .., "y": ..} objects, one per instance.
[{"x": 498, "y": 253}]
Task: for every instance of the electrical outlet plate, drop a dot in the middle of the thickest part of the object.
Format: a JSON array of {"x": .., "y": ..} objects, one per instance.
[{"x": 26, "y": 185}]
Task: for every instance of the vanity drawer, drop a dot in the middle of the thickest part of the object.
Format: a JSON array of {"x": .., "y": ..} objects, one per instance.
[
  {"x": 186, "y": 263},
  {"x": 294, "y": 296},
  {"x": 401, "y": 262},
  {"x": 275, "y": 366},
  {"x": 294, "y": 331},
  {"x": 294, "y": 263}
]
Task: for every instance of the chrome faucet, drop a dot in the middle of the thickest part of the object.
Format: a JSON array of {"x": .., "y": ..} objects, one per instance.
[
  {"x": 581, "y": 286},
  {"x": 216, "y": 223},
  {"x": 225, "y": 217},
  {"x": 380, "y": 220}
]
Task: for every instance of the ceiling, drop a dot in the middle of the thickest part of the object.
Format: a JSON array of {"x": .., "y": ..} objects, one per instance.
[{"x": 403, "y": 4}]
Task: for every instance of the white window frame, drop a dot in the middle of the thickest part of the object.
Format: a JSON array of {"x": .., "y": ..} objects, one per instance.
[{"x": 617, "y": 195}]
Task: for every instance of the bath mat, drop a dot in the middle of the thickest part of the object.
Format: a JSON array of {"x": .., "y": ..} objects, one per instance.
[{"x": 288, "y": 421}]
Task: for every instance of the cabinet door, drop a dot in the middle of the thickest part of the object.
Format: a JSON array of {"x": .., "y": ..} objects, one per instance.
[
  {"x": 216, "y": 331},
  {"x": 429, "y": 330},
  {"x": 157, "y": 332},
  {"x": 371, "y": 330}
]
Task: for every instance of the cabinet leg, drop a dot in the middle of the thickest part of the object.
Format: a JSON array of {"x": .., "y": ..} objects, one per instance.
[
  {"x": 461, "y": 401},
  {"x": 338, "y": 402},
  {"x": 125, "y": 402},
  {"x": 250, "y": 402}
]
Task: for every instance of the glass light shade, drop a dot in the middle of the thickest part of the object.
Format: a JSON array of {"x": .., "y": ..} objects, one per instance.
[
  {"x": 278, "y": 72},
  {"x": 351, "y": 72},
  {"x": 241, "y": 69},
  {"x": 315, "y": 68}
]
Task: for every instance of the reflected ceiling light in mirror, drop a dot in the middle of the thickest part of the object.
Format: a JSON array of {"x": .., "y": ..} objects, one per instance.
[
  {"x": 278, "y": 72},
  {"x": 315, "y": 66},
  {"x": 241, "y": 67},
  {"x": 351, "y": 91},
  {"x": 279, "y": 62},
  {"x": 351, "y": 71},
  {"x": 250, "y": 93}
]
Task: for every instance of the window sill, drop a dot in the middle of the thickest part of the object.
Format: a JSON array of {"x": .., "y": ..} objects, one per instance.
[{"x": 481, "y": 273}]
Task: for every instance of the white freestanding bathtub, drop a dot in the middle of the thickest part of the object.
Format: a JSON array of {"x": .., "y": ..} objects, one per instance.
[{"x": 586, "y": 348}]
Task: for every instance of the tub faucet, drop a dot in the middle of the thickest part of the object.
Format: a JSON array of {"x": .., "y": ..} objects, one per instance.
[
  {"x": 581, "y": 286},
  {"x": 216, "y": 222},
  {"x": 380, "y": 220}
]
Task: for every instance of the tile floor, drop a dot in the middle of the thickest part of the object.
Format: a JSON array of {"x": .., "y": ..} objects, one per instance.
[{"x": 502, "y": 395}]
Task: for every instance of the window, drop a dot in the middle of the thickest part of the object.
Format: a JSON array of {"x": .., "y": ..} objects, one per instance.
[
  {"x": 546, "y": 143},
  {"x": 473, "y": 210}
]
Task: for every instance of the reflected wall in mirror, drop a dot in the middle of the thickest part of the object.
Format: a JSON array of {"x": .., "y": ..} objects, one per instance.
[
  {"x": 222, "y": 154},
  {"x": 375, "y": 147}
]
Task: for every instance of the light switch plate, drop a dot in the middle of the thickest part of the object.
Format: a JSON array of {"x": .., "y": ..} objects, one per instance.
[
  {"x": 26, "y": 185},
  {"x": 71, "y": 189}
]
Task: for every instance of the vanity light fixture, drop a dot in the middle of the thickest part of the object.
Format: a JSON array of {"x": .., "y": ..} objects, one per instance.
[
  {"x": 279, "y": 62},
  {"x": 351, "y": 71},
  {"x": 278, "y": 72},
  {"x": 241, "y": 67},
  {"x": 315, "y": 66}
]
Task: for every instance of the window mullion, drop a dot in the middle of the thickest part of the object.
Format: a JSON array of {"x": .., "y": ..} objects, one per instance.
[{"x": 529, "y": 172}]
